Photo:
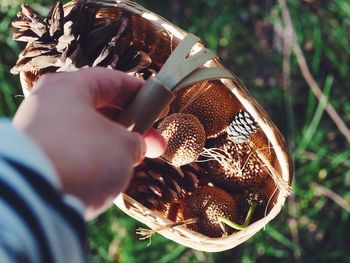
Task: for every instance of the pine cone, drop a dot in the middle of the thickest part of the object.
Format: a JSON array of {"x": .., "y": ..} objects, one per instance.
[
  {"x": 240, "y": 167},
  {"x": 123, "y": 35},
  {"x": 72, "y": 39},
  {"x": 214, "y": 114},
  {"x": 161, "y": 187},
  {"x": 185, "y": 137},
  {"x": 242, "y": 127},
  {"x": 207, "y": 204}
]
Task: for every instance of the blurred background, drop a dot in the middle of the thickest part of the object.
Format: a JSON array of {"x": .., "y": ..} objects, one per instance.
[{"x": 294, "y": 57}]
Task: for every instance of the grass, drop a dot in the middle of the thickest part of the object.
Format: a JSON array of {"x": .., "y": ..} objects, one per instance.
[{"x": 311, "y": 227}]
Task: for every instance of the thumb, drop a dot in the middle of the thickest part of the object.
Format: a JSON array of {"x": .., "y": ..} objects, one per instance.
[{"x": 109, "y": 87}]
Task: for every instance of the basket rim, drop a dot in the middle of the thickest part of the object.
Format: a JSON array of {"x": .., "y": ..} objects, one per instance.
[
  {"x": 183, "y": 235},
  {"x": 205, "y": 243}
]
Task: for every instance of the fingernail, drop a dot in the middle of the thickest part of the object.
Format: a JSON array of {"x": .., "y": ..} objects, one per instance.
[{"x": 155, "y": 143}]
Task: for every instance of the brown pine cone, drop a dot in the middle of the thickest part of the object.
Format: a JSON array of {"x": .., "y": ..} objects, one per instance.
[
  {"x": 162, "y": 187},
  {"x": 242, "y": 168},
  {"x": 72, "y": 38},
  {"x": 212, "y": 103},
  {"x": 185, "y": 137}
]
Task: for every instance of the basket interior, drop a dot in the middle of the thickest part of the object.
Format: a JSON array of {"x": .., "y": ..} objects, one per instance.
[{"x": 157, "y": 184}]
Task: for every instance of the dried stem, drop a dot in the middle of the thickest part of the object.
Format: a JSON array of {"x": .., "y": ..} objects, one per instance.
[
  {"x": 148, "y": 233},
  {"x": 223, "y": 158},
  {"x": 287, "y": 51},
  {"x": 323, "y": 191},
  {"x": 282, "y": 185},
  {"x": 315, "y": 88},
  {"x": 293, "y": 226}
]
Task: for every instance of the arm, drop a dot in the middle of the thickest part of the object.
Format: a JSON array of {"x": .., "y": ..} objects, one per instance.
[
  {"x": 63, "y": 159},
  {"x": 37, "y": 223}
]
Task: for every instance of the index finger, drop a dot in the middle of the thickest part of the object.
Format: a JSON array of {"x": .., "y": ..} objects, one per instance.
[
  {"x": 100, "y": 87},
  {"x": 109, "y": 87}
]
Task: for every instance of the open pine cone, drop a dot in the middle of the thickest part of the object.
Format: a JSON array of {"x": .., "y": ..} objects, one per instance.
[
  {"x": 74, "y": 37},
  {"x": 242, "y": 146}
]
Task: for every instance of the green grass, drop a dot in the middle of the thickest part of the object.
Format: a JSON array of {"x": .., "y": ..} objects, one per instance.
[{"x": 241, "y": 32}]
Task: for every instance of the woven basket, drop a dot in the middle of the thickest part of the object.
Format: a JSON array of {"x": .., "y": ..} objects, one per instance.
[{"x": 153, "y": 30}]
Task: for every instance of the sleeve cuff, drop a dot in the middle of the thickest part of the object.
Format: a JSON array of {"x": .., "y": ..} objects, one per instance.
[{"x": 17, "y": 145}]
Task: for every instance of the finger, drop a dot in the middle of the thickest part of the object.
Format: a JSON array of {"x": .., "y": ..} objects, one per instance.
[
  {"x": 111, "y": 112},
  {"x": 110, "y": 87},
  {"x": 101, "y": 87},
  {"x": 155, "y": 143},
  {"x": 135, "y": 146}
]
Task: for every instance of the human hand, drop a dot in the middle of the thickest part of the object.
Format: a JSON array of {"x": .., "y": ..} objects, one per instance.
[{"x": 93, "y": 155}]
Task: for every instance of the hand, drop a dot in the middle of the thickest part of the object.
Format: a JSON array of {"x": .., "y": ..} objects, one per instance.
[{"x": 93, "y": 155}]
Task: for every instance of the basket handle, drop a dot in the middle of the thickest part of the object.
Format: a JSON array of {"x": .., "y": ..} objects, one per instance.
[{"x": 180, "y": 70}]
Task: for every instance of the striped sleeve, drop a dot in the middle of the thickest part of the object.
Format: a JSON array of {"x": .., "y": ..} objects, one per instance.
[{"x": 37, "y": 222}]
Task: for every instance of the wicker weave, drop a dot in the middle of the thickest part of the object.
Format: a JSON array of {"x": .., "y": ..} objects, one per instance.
[{"x": 152, "y": 29}]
